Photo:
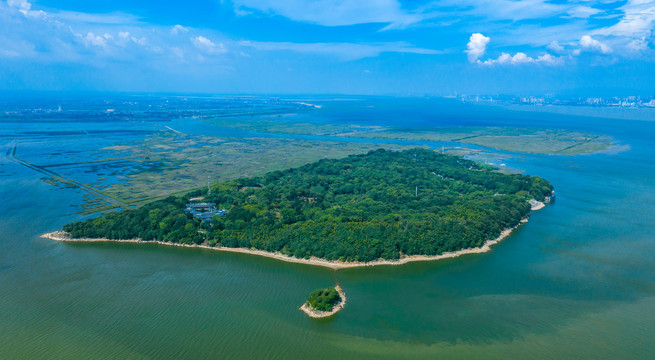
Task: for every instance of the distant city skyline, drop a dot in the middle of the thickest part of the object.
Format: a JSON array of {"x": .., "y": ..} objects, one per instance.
[{"x": 383, "y": 47}]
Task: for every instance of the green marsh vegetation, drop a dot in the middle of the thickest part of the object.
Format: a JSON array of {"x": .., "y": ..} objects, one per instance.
[
  {"x": 378, "y": 205},
  {"x": 525, "y": 140},
  {"x": 516, "y": 139},
  {"x": 173, "y": 164}
]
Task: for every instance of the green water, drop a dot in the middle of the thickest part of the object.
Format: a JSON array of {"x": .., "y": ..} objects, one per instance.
[{"x": 577, "y": 281}]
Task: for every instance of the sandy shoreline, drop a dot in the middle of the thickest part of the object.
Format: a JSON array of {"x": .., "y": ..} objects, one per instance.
[
  {"x": 536, "y": 205},
  {"x": 323, "y": 314},
  {"x": 64, "y": 237}
]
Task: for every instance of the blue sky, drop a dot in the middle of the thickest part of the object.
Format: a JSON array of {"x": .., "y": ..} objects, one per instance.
[{"x": 318, "y": 46}]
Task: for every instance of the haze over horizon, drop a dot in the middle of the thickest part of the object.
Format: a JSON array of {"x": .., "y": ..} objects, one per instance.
[{"x": 376, "y": 47}]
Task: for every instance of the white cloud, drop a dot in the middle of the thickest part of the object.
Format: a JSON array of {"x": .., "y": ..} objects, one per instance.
[
  {"x": 105, "y": 40},
  {"x": 207, "y": 45},
  {"x": 502, "y": 59},
  {"x": 179, "y": 29},
  {"x": 638, "y": 20},
  {"x": 505, "y": 58},
  {"x": 98, "y": 39},
  {"x": 522, "y": 58},
  {"x": 139, "y": 41},
  {"x": 555, "y": 47},
  {"x": 22, "y": 5},
  {"x": 587, "y": 43},
  {"x": 583, "y": 12},
  {"x": 549, "y": 59},
  {"x": 95, "y": 40},
  {"x": 638, "y": 45},
  {"x": 25, "y": 7},
  {"x": 476, "y": 46},
  {"x": 75, "y": 38}
]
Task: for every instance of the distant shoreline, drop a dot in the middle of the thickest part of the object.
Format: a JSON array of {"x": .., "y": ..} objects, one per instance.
[
  {"x": 316, "y": 314},
  {"x": 335, "y": 265}
]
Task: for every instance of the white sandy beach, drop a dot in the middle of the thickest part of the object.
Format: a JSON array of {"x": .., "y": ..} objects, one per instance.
[{"x": 536, "y": 205}]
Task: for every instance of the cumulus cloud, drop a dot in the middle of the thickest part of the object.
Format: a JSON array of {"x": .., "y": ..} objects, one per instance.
[
  {"x": 549, "y": 59},
  {"x": 95, "y": 40},
  {"x": 476, "y": 46},
  {"x": 587, "y": 43},
  {"x": 208, "y": 46},
  {"x": 179, "y": 29},
  {"x": 555, "y": 47},
  {"x": 506, "y": 58},
  {"x": 522, "y": 58}
]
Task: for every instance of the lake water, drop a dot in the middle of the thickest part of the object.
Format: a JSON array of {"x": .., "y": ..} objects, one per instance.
[{"x": 576, "y": 281}]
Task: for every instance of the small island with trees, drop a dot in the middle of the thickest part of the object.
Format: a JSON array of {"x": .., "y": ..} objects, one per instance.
[
  {"x": 383, "y": 207},
  {"x": 324, "y": 302}
]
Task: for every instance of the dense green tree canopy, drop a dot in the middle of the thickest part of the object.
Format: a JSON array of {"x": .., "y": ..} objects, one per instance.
[
  {"x": 383, "y": 204},
  {"x": 323, "y": 299}
]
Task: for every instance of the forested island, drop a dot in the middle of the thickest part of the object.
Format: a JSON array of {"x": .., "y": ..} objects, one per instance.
[
  {"x": 361, "y": 208},
  {"x": 324, "y": 302},
  {"x": 323, "y": 299}
]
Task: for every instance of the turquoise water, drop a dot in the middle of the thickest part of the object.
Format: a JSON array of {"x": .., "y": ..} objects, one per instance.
[{"x": 576, "y": 281}]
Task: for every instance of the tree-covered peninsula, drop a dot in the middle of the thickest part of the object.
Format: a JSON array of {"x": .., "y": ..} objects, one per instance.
[{"x": 380, "y": 205}]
